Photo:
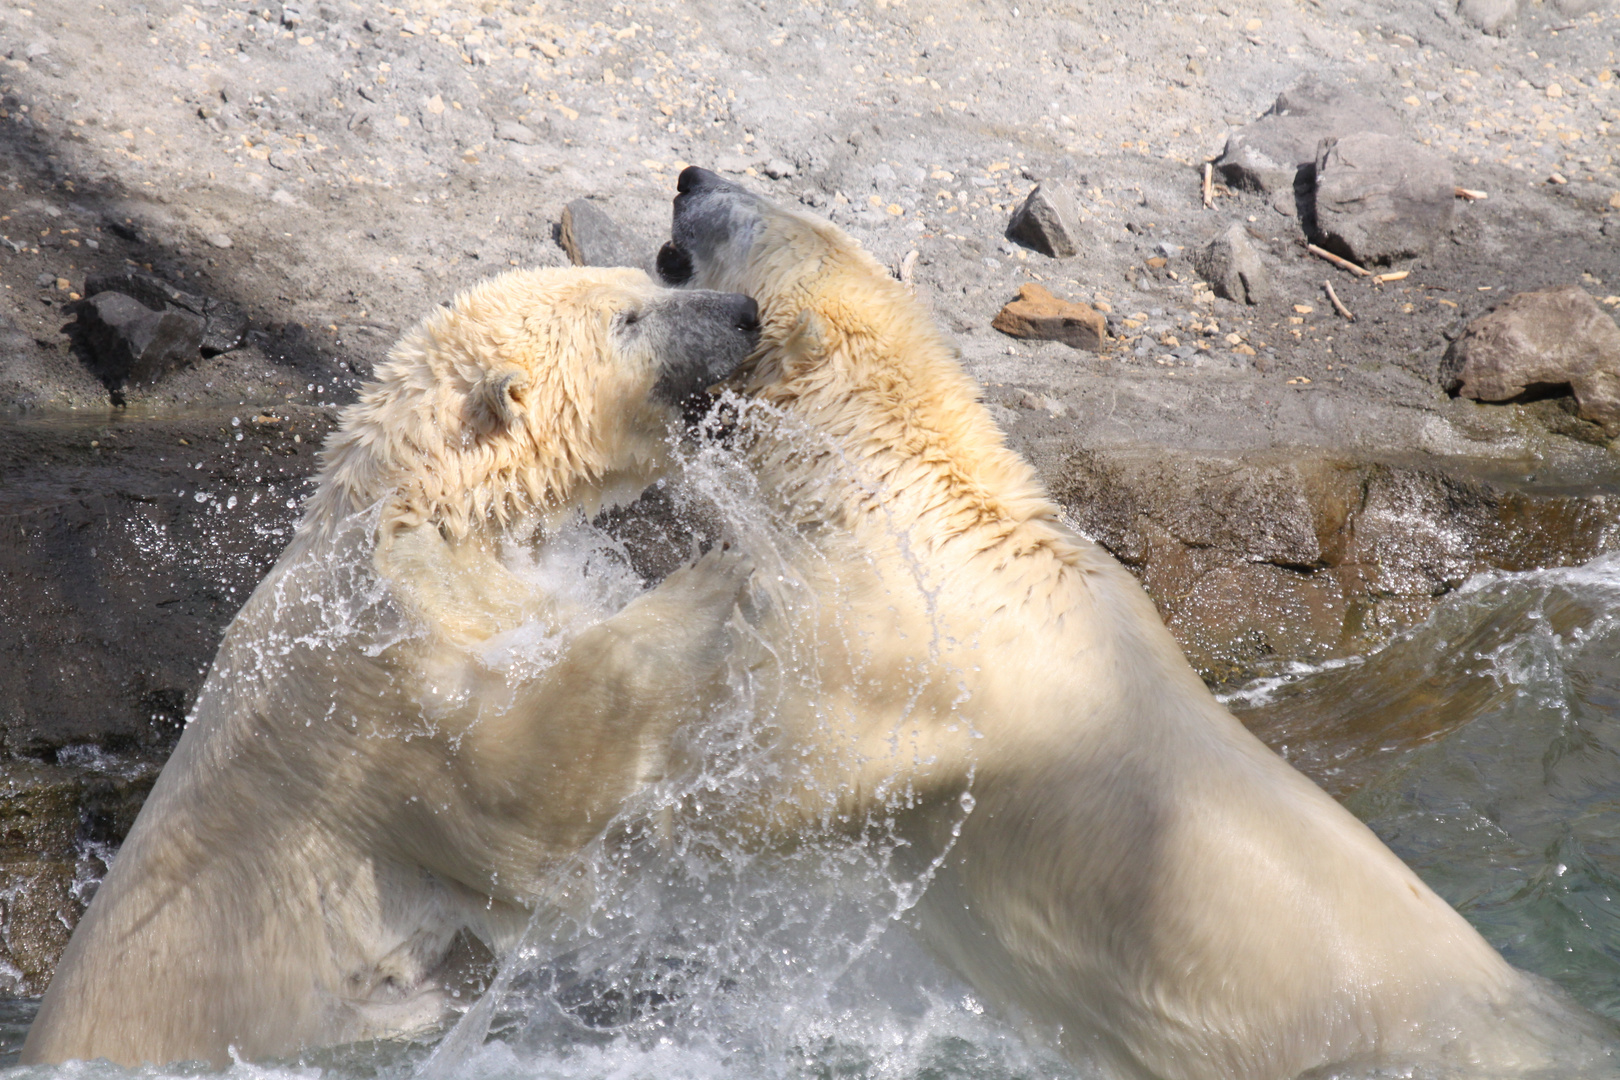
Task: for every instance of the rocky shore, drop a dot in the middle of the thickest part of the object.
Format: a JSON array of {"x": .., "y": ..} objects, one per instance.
[{"x": 216, "y": 216}]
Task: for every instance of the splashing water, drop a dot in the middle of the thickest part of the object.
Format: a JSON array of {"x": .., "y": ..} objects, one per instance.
[{"x": 1482, "y": 746}]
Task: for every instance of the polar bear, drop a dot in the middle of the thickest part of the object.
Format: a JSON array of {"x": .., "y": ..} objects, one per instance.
[
  {"x": 1138, "y": 874},
  {"x": 363, "y": 800}
]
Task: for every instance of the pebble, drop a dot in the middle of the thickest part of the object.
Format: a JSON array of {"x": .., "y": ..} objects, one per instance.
[{"x": 218, "y": 239}]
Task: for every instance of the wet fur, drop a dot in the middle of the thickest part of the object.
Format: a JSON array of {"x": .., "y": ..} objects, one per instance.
[
  {"x": 1140, "y": 876},
  {"x": 361, "y": 807}
]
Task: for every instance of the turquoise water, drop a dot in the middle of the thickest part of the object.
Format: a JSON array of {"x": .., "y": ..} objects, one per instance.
[{"x": 1483, "y": 746}]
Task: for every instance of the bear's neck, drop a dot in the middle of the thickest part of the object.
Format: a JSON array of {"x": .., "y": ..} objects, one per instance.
[{"x": 885, "y": 439}]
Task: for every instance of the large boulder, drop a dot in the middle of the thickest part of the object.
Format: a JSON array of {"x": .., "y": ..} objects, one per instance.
[
  {"x": 1267, "y": 155},
  {"x": 224, "y": 325},
  {"x": 1539, "y": 342},
  {"x": 131, "y": 343},
  {"x": 1380, "y": 197}
]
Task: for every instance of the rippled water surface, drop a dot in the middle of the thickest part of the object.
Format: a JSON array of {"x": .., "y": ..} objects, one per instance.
[{"x": 1482, "y": 747}]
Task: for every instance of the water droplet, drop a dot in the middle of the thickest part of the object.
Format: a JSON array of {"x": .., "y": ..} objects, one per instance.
[
  {"x": 968, "y": 802},
  {"x": 236, "y": 421},
  {"x": 230, "y": 503}
]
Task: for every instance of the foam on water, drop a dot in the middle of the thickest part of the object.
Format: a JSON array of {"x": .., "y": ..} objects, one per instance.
[{"x": 1482, "y": 746}]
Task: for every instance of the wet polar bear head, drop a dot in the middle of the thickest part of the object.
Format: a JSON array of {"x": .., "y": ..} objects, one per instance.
[{"x": 536, "y": 391}]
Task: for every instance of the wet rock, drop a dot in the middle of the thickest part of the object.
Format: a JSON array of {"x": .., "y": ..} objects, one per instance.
[
  {"x": 224, "y": 325},
  {"x": 1232, "y": 266},
  {"x": 1492, "y": 16},
  {"x": 1045, "y": 222},
  {"x": 1541, "y": 342},
  {"x": 131, "y": 343},
  {"x": 1038, "y": 315},
  {"x": 55, "y": 823},
  {"x": 1257, "y": 557},
  {"x": 1267, "y": 155},
  {"x": 592, "y": 238},
  {"x": 1380, "y": 197}
]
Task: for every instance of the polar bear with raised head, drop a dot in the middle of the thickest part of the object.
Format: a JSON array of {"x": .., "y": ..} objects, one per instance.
[
  {"x": 366, "y": 797},
  {"x": 1138, "y": 873}
]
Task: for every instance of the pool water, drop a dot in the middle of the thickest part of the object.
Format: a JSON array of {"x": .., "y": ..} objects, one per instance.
[{"x": 1483, "y": 746}]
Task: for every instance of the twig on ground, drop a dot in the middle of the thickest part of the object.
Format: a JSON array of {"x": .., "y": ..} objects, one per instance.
[
  {"x": 1385, "y": 279},
  {"x": 1209, "y": 184},
  {"x": 1344, "y": 264},
  {"x": 1469, "y": 194},
  {"x": 907, "y": 265},
  {"x": 1337, "y": 306}
]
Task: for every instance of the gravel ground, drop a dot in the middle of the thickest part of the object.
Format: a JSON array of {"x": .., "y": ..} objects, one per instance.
[{"x": 363, "y": 162}]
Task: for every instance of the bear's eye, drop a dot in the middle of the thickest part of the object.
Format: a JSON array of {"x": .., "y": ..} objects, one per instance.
[{"x": 630, "y": 318}]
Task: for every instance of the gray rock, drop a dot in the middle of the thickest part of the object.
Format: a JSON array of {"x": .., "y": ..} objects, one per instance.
[
  {"x": 224, "y": 325},
  {"x": 1492, "y": 16},
  {"x": 512, "y": 131},
  {"x": 592, "y": 238},
  {"x": 1268, "y": 154},
  {"x": 1045, "y": 222},
  {"x": 777, "y": 169},
  {"x": 131, "y": 343},
  {"x": 1233, "y": 268},
  {"x": 1540, "y": 341},
  {"x": 1380, "y": 197}
]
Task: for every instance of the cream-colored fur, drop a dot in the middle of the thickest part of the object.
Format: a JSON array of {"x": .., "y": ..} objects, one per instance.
[
  {"x": 364, "y": 802},
  {"x": 1138, "y": 874}
]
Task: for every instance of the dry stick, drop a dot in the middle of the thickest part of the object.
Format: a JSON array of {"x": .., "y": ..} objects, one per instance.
[
  {"x": 1468, "y": 194},
  {"x": 1336, "y": 261},
  {"x": 1337, "y": 306},
  {"x": 1209, "y": 184}
]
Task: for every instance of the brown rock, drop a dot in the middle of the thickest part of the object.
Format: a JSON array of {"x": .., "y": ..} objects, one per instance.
[
  {"x": 1040, "y": 316},
  {"x": 1539, "y": 342}
]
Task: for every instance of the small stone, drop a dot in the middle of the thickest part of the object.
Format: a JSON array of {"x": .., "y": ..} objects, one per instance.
[
  {"x": 1554, "y": 90},
  {"x": 131, "y": 343},
  {"x": 1267, "y": 155},
  {"x": 1233, "y": 268},
  {"x": 1492, "y": 16},
  {"x": 219, "y": 239},
  {"x": 282, "y": 160},
  {"x": 45, "y": 281},
  {"x": 777, "y": 169},
  {"x": 1044, "y": 222},
  {"x": 1038, "y": 315},
  {"x": 512, "y": 131},
  {"x": 1380, "y": 197},
  {"x": 1538, "y": 341},
  {"x": 592, "y": 238}
]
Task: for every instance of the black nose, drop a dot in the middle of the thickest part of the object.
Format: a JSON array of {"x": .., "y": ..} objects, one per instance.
[
  {"x": 744, "y": 313},
  {"x": 674, "y": 265},
  {"x": 693, "y": 178}
]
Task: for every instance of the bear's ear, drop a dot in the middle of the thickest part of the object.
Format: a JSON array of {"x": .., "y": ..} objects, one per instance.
[
  {"x": 805, "y": 343},
  {"x": 497, "y": 402}
]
